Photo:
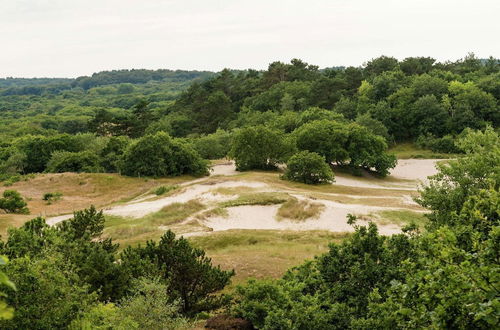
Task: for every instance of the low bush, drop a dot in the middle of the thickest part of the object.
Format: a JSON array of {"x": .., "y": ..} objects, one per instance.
[
  {"x": 51, "y": 197},
  {"x": 308, "y": 167},
  {"x": 13, "y": 202},
  {"x": 164, "y": 189}
]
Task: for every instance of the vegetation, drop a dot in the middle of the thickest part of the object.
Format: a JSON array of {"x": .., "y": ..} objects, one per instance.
[
  {"x": 116, "y": 121},
  {"x": 163, "y": 123},
  {"x": 68, "y": 273},
  {"x": 308, "y": 167},
  {"x": 443, "y": 278},
  {"x": 294, "y": 209},
  {"x": 13, "y": 202},
  {"x": 51, "y": 197}
]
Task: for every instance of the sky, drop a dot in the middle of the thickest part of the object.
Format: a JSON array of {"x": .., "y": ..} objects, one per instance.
[{"x": 70, "y": 38}]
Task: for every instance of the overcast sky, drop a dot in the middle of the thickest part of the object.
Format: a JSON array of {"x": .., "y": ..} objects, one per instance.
[{"x": 69, "y": 38}]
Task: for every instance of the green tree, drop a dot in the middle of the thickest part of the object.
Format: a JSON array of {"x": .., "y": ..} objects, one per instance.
[
  {"x": 459, "y": 179},
  {"x": 308, "y": 167},
  {"x": 160, "y": 155},
  {"x": 49, "y": 293},
  {"x": 188, "y": 271},
  {"x": 259, "y": 147},
  {"x": 324, "y": 137},
  {"x": 13, "y": 202}
]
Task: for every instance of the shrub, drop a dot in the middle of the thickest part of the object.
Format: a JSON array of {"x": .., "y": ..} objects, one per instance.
[
  {"x": 164, "y": 189},
  {"x": 160, "y": 155},
  {"x": 12, "y": 202},
  {"x": 213, "y": 146},
  {"x": 308, "y": 167},
  {"x": 445, "y": 144},
  {"x": 52, "y": 197},
  {"x": 260, "y": 148},
  {"x": 64, "y": 161}
]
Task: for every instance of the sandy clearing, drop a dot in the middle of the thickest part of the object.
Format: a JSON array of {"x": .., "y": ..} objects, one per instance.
[
  {"x": 415, "y": 169},
  {"x": 333, "y": 218},
  {"x": 201, "y": 192}
]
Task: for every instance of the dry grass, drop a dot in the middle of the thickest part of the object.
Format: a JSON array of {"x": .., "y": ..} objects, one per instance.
[
  {"x": 215, "y": 212},
  {"x": 79, "y": 190},
  {"x": 262, "y": 198},
  {"x": 129, "y": 231},
  {"x": 294, "y": 209},
  {"x": 263, "y": 253}
]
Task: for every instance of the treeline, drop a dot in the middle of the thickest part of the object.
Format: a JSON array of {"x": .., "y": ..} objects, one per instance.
[
  {"x": 410, "y": 98},
  {"x": 39, "y": 86}
]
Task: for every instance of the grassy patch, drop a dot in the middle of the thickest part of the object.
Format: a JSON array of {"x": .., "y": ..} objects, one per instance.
[
  {"x": 129, "y": 231},
  {"x": 174, "y": 213},
  {"x": 161, "y": 190},
  {"x": 263, "y": 253},
  {"x": 402, "y": 217},
  {"x": 299, "y": 210},
  {"x": 263, "y": 198},
  {"x": 410, "y": 150},
  {"x": 228, "y": 191}
]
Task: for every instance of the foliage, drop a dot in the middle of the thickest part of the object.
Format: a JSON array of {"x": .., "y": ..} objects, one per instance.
[
  {"x": 308, "y": 167},
  {"x": 462, "y": 178},
  {"x": 49, "y": 294},
  {"x": 64, "y": 161},
  {"x": 343, "y": 144},
  {"x": 51, "y": 197},
  {"x": 13, "y": 202},
  {"x": 164, "y": 189},
  {"x": 446, "y": 277},
  {"x": 160, "y": 155},
  {"x": 6, "y": 312},
  {"x": 213, "y": 146},
  {"x": 445, "y": 144},
  {"x": 188, "y": 271},
  {"x": 259, "y": 148}
]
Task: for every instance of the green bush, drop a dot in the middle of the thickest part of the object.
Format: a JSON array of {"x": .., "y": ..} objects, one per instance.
[
  {"x": 308, "y": 167},
  {"x": 164, "y": 189},
  {"x": 51, "y": 197},
  {"x": 445, "y": 144},
  {"x": 13, "y": 202},
  {"x": 159, "y": 155},
  {"x": 260, "y": 148},
  {"x": 64, "y": 161},
  {"x": 213, "y": 146}
]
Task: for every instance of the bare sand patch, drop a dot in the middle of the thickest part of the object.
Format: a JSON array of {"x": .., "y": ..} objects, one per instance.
[{"x": 333, "y": 218}]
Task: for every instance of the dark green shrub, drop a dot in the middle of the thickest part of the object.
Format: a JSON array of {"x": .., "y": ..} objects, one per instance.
[
  {"x": 308, "y": 167},
  {"x": 164, "y": 189},
  {"x": 13, "y": 202},
  {"x": 159, "y": 155},
  {"x": 51, "y": 197},
  {"x": 260, "y": 148},
  {"x": 445, "y": 144},
  {"x": 64, "y": 161}
]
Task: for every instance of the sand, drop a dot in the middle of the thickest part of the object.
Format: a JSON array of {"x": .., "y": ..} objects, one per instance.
[{"x": 408, "y": 174}]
